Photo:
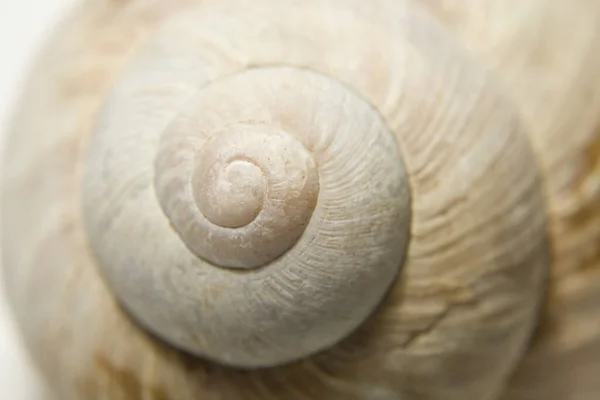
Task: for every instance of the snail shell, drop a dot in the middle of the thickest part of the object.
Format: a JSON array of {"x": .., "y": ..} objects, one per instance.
[
  {"x": 275, "y": 199},
  {"x": 253, "y": 211}
]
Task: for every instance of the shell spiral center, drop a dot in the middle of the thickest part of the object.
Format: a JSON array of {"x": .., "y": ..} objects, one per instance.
[{"x": 233, "y": 194}]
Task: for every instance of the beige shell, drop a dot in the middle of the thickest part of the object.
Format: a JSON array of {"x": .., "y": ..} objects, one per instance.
[{"x": 318, "y": 199}]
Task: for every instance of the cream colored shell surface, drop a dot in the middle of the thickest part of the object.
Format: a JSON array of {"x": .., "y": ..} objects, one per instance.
[
  {"x": 546, "y": 53},
  {"x": 405, "y": 251},
  {"x": 313, "y": 167}
]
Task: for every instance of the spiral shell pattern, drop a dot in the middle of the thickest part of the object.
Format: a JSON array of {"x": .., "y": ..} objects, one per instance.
[
  {"x": 252, "y": 202},
  {"x": 241, "y": 194},
  {"x": 275, "y": 208},
  {"x": 335, "y": 182}
]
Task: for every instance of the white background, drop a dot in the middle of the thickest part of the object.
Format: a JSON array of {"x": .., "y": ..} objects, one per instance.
[{"x": 24, "y": 24}]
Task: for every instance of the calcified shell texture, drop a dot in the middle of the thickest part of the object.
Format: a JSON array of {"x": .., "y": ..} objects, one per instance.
[
  {"x": 281, "y": 212},
  {"x": 241, "y": 200}
]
